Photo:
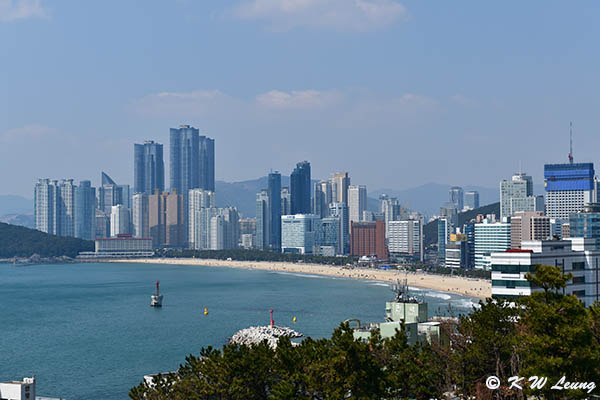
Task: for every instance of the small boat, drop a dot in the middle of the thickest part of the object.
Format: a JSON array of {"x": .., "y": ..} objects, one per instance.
[{"x": 156, "y": 299}]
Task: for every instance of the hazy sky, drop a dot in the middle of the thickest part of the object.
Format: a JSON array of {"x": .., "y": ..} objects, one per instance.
[{"x": 396, "y": 93}]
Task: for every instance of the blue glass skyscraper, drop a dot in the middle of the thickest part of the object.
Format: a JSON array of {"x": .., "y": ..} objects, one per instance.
[
  {"x": 586, "y": 224},
  {"x": 300, "y": 188},
  {"x": 568, "y": 188},
  {"x": 274, "y": 193},
  {"x": 149, "y": 168},
  {"x": 85, "y": 211},
  {"x": 192, "y": 160}
]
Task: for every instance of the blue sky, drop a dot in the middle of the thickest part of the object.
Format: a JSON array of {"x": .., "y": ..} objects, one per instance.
[{"x": 398, "y": 93}]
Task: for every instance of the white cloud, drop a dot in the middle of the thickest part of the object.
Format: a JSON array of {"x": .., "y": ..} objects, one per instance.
[
  {"x": 343, "y": 15},
  {"x": 29, "y": 133},
  {"x": 198, "y": 103},
  {"x": 12, "y": 10},
  {"x": 462, "y": 100},
  {"x": 294, "y": 100}
]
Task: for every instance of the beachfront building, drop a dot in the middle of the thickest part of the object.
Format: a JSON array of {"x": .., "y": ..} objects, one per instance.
[
  {"x": 368, "y": 239},
  {"x": 578, "y": 256},
  {"x": 328, "y": 234},
  {"x": 124, "y": 245},
  {"x": 298, "y": 233},
  {"x": 490, "y": 237},
  {"x": 406, "y": 237},
  {"x": 528, "y": 225}
]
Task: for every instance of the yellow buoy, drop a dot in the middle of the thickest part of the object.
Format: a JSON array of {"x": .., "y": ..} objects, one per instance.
[
  {"x": 205, "y": 310},
  {"x": 294, "y": 319}
]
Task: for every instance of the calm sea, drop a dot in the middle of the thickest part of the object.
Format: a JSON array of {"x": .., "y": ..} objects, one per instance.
[{"x": 86, "y": 331}]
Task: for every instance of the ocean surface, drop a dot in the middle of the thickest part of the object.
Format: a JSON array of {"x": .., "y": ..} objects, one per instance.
[{"x": 87, "y": 332}]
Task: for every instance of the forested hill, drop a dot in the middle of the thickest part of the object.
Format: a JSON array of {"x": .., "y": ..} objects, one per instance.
[{"x": 18, "y": 241}]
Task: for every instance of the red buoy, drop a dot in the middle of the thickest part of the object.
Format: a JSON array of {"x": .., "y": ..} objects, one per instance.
[{"x": 272, "y": 322}]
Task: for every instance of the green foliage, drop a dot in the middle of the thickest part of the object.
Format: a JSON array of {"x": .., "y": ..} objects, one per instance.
[
  {"x": 547, "y": 334},
  {"x": 254, "y": 255},
  {"x": 18, "y": 241}
]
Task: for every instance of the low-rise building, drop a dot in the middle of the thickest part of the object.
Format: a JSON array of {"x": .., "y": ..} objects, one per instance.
[
  {"x": 579, "y": 256},
  {"x": 121, "y": 246}
]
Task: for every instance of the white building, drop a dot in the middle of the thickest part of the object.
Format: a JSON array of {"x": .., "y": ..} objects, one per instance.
[
  {"x": 140, "y": 214},
  {"x": 340, "y": 210},
  {"x": 578, "y": 256},
  {"x": 215, "y": 229},
  {"x": 298, "y": 233},
  {"x": 406, "y": 237},
  {"x": 119, "y": 220},
  {"x": 198, "y": 199},
  {"x": 121, "y": 246},
  {"x": 520, "y": 187},
  {"x": 357, "y": 202},
  {"x": 490, "y": 238},
  {"x": 18, "y": 390}
]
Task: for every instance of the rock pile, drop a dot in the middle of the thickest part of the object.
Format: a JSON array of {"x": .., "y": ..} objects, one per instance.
[{"x": 256, "y": 334}]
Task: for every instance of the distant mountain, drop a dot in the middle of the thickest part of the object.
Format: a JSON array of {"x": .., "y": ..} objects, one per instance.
[
  {"x": 428, "y": 198},
  {"x": 17, "y": 241},
  {"x": 10, "y": 204},
  {"x": 25, "y": 220}
]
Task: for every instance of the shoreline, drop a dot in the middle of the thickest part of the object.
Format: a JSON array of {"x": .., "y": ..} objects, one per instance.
[{"x": 472, "y": 287}]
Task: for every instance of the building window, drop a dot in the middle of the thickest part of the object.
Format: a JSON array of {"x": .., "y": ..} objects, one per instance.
[
  {"x": 578, "y": 279},
  {"x": 578, "y": 266},
  {"x": 579, "y": 293}
]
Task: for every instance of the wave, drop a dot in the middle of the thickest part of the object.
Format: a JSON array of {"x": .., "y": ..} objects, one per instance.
[
  {"x": 438, "y": 295},
  {"x": 301, "y": 275},
  {"x": 379, "y": 284}
]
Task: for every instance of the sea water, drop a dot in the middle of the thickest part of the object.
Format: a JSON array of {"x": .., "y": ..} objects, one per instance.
[{"x": 87, "y": 331}]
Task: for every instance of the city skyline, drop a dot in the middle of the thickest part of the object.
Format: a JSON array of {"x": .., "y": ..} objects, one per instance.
[{"x": 263, "y": 93}]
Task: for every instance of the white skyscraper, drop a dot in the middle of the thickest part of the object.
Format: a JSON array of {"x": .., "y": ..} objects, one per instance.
[
  {"x": 406, "y": 237},
  {"x": 198, "y": 199},
  {"x": 54, "y": 207},
  {"x": 140, "y": 215},
  {"x": 357, "y": 202},
  {"x": 119, "y": 220},
  {"x": 490, "y": 238},
  {"x": 298, "y": 233}
]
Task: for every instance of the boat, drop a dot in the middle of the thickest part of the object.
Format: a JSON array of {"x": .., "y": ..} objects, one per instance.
[{"x": 156, "y": 299}]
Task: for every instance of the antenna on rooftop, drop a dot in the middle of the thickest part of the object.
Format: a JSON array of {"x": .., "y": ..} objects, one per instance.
[{"x": 571, "y": 142}]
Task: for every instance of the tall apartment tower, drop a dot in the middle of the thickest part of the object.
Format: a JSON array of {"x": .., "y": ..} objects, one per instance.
[
  {"x": 140, "y": 214},
  {"x": 263, "y": 223},
  {"x": 198, "y": 201},
  {"x": 286, "y": 198},
  {"x": 192, "y": 160},
  {"x": 148, "y": 167},
  {"x": 274, "y": 191},
  {"x": 323, "y": 196},
  {"x": 569, "y": 187},
  {"x": 456, "y": 197},
  {"x": 110, "y": 194},
  {"x": 340, "y": 210},
  {"x": 300, "y": 188},
  {"x": 357, "y": 202},
  {"x": 391, "y": 209},
  {"x": 54, "y": 207},
  {"x": 339, "y": 186},
  {"x": 166, "y": 220},
  {"x": 472, "y": 199},
  {"x": 119, "y": 220},
  {"x": 85, "y": 211}
]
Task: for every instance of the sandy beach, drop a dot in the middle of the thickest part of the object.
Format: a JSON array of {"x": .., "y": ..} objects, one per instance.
[{"x": 466, "y": 286}]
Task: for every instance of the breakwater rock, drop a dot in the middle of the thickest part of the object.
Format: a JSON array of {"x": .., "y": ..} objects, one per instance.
[{"x": 257, "y": 334}]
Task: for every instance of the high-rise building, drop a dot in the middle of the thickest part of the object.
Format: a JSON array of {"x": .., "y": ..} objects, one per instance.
[
  {"x": 298, "y": 233},
  {"x": 192, "y": 160},
  {"x": 456, "y": 197},
  {"x": 528, "y": 225},
  {"x": 149, "y": 168},
  {"x": 586, "y": 223},
  {"x": 391, "y": 209},
  {"x": 328, "y": 235},
  {"x": 54, "y": 207},
  {"x": 321, "y": 198},
  {"x": 119, "y": 220},
  {"x": 405, "y": 237},
  {"x": 216, "y": 229},
  {"x": 166, "y": 220},
  {"x": 198, "y": 200},
  {"x": 110, "y": 194},
  {"x": 471, "y": 199},
  {"x": 443, "y": 233},
  {"x": 569, "y": 187},
  {"x": 450, "y": 212},
  {"x": 469, "y": 233},
  {"x": 300, "y": 188},
  {"x": 368, "y": 239},
  {"x": 490, "y": 238},
  {"x": 102, "y": 224},
  {"x": 274, "y": 191},
  {"x": 519, "y": 187},
  {"x": 340, "y": 210},
  {"x": 339, "y": 187},
  {"x": 263, "y": 222},
  {"x": 85, "y": 211},
  {"x": 140, "y": 214},
  {"x": 286, "y": 201},
  {"x": 357, "y": 202}
]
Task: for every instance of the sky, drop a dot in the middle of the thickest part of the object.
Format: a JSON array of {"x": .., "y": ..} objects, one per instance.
[{"x": 397, "y": 93}]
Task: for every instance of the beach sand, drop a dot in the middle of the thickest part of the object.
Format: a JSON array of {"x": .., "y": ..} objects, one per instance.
[{"x": 479, "y": 288}]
